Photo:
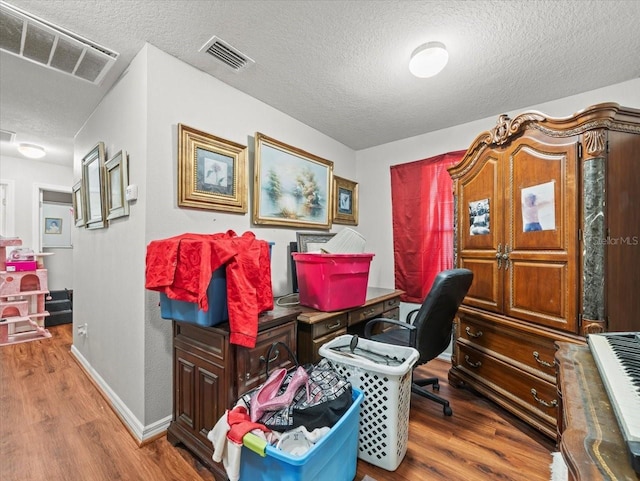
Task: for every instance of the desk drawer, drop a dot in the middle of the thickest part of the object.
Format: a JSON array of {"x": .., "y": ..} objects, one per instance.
[
  {"x": 365, "y": 313},
  {"x": 329, "y": 325},
  {"x": 323, "y": 340},
  {"x": 536, "y": 354}
]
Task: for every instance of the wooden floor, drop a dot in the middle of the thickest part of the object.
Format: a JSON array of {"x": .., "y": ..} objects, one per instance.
[{"x": 55, "y": 426}]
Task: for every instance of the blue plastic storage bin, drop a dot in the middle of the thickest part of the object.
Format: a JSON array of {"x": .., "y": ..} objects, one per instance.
[
  {"x": 333, "y": 458},
  {"x": 189, "y": 311}
]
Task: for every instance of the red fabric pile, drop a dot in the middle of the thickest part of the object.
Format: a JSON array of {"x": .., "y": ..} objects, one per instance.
[{"x": 182, "y": 267}]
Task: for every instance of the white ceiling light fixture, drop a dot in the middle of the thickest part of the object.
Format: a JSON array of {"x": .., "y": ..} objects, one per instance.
[
  {"x": 32, "y": 151},
  {"x": 428, "y": 60}
]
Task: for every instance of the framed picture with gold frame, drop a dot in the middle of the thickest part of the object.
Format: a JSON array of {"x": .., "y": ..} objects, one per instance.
[
  {"x": 212, "y": 172},
  {"x": 291, "y": 187},
  {"x": 345, "y": 201},
  {"x": 93, "y": 185}
]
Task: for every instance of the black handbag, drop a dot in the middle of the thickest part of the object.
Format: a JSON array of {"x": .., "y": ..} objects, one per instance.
[{"x": 330, "y": 393}]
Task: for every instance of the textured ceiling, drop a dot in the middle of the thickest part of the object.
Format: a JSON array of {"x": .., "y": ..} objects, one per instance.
[{"x": 339, "y": 66}]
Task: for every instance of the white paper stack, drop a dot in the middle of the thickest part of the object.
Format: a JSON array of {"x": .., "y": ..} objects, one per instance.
[{"x": 347, "y": 241}]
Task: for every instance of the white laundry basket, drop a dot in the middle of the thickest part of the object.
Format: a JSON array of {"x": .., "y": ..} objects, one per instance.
[{"x": 384, "y": 414}]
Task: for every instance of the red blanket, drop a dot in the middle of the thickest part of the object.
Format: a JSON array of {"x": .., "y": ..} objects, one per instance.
[{"x": 182, "y": 267}]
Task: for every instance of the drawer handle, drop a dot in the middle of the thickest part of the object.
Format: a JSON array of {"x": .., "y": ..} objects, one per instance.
[
  {"x": 536, "y": 356},
  {"x": 551, "y": 404},
  {"x": 472, "y": 364},
  {"x": 333, "y": 326},
  {"x": 472, "y": 334},
  {"x": 369, "y": 312},
  {"x": 275, "y": 356}
]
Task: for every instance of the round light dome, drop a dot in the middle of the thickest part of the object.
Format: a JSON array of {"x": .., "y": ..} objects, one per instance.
[
  {"x": 32, "y": 151},
  {"x": 428, "y": 60}
]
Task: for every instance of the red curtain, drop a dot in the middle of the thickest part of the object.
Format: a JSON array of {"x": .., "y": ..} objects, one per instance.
[{"x": 422, "y": 210}]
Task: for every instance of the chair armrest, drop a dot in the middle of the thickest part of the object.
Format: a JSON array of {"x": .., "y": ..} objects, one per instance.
[{"x": 369, "y": 326}]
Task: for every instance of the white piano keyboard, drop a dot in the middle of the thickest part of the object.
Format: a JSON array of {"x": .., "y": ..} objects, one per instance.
[{"x": 617, "y": 356}]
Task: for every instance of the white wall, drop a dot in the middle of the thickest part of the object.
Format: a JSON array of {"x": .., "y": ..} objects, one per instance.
[
  {"x": 27, "y": 174},
  {"x": 128, "y": 346}
]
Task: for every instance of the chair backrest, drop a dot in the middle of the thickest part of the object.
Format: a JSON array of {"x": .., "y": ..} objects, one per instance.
[{"x": 434, "y": 321}]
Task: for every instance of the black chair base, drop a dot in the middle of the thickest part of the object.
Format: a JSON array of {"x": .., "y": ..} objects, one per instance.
[{"x": 417, "y": 387}]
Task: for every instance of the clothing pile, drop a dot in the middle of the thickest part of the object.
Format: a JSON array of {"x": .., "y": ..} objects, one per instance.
[
  {"x": 292, "y": 410},
  {"x": 181, "y": 267}
]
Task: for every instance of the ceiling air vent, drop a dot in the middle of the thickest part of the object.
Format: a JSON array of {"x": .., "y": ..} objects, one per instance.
[
  {"x": 225, "y": 53},
  {"x": 46, "y": 44},
  {"x": 7, "y": 136}
]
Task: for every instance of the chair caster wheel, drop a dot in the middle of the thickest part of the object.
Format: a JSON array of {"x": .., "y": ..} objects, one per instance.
[
  {"x": 436, "y": 387},
  {"x": 447, "y": 411}
]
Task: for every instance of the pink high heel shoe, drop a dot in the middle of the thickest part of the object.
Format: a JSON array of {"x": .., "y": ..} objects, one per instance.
[
  {"x": 299, "y": 378},
  {"x": 268, "y": 390}
]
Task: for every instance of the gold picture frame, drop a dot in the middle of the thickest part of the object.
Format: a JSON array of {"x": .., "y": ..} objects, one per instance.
[
  {"x": 291, "y": 187},
  {"x": 117, "y": 179},
  {"x": 345, "y": 201},
  {"x": 212, "y": 172},
  {"x": 77, "y": 197},
  {"x": 93, "y": 185}
]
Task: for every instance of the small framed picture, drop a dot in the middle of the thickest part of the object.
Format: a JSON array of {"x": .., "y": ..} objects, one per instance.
[
  {"x": 212, "y": 172},
  {"x": 52, "y": 225},
  {"x": 78, "y": 204},
  {"x": 311, "y": 241},
  {"x": 93, "y": 185},
  {"x": 117, "y": 179},
  {"x": 345, "y": 201}
]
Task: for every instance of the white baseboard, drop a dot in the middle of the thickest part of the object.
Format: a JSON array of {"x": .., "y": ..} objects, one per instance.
[{"x": 138, "y": 430}]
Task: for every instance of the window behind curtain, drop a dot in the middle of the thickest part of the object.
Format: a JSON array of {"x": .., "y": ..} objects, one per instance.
[{"x": 422, "y": 210}]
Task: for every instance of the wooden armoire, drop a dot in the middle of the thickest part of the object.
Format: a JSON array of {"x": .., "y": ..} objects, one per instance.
[{"x": 547, "y": 216}]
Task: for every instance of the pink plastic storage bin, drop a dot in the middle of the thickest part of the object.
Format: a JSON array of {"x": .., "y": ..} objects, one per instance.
[
  {"x": 331, "y": 282},
  {"x": 20, "y": 266}
]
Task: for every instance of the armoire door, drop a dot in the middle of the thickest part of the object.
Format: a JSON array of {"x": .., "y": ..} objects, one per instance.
[
  {"x": 480, "y": 198},
  {"x": 541, "y": 233}
]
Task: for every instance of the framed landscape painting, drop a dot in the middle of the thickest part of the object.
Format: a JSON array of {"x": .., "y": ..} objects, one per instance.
[{"x": 291, "y": 187}]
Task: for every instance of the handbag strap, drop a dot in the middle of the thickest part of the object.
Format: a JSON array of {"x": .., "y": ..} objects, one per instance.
[{"x": 275, "y": 346}]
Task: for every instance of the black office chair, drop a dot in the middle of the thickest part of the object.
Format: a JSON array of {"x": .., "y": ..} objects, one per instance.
[{"x": 429, "y": 328}]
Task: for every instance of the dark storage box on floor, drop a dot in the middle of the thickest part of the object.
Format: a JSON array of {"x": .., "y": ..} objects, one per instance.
[{"x": 60, "y": 308}]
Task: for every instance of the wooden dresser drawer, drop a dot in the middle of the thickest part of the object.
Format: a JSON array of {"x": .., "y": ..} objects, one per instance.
[
  {"x": 205, "y": 342},
  {"x": 529, "y": 392},
  {"x": 534, "y": 354},
  {"x": 251, "y": 363}
]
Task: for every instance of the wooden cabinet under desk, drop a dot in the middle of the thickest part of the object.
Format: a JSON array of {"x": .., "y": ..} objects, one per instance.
[
  {"x": 316, "y": 328},
  {"x": 209, "y": 375}
]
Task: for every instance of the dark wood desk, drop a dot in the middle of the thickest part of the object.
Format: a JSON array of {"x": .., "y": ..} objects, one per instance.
[
  {"x": 588, "y": 433},
  {"x": 316, "y": 328}
]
